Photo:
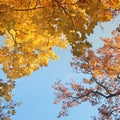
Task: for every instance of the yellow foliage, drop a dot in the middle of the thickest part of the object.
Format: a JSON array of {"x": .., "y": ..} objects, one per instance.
[
  {"x": 8, "y": 97},
  {"x": 21, "y": 58},
  {"x": 5, "y": 90},
  {"x": 13, "y": 112},
  {"x": 32, "y": 28},
  {"x": 113, "y": 3},
  {"x": 97, "y": 72},
  {"x": 106, "y": 17},
  {"x": 8, "y": 118}
]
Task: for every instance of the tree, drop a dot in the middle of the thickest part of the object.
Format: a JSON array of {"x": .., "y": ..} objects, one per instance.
[
  {"x": 7, "y": 105},
  {"x": 7, "y": 108},
  {"x": 32, "y": 28},
  {"x": 28, "y": 43},
  {"x": 6, "y": 89},
  {"x": 101, "y": 87}
]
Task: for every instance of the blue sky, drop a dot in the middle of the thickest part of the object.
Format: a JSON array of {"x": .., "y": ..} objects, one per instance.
[{"x": 36, "y": 93}]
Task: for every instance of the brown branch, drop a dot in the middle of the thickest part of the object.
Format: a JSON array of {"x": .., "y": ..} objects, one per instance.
[
  {"x": 99, "y": 93},
  {"x": 13, "y": 37},
  {"x": 76, "y": 98},
  {"x": 92, "y": 92},
  {"x": 64, "y": 9},
  {"x": 102, "y": 86},
  {"x": 114, "y": 111},
  {"x": 27, "y": 9}
]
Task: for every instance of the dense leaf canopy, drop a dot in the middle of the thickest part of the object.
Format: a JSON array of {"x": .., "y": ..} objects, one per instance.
[{"x": 33, "y": 27}]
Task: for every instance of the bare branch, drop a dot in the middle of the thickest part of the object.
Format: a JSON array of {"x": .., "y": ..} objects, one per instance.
[
  {"x": 91, "y": 92},
  {"x": 114, "y": 110},
  {"x": 102, "y": 86}
]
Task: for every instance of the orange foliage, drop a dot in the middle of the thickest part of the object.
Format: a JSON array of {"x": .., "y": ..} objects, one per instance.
[{"x": 103, "y": 83}]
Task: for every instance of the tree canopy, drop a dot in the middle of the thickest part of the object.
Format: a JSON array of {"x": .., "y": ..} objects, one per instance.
[
  {"x": 103, "y": 84},
  {"x": 32, "y": 28}
]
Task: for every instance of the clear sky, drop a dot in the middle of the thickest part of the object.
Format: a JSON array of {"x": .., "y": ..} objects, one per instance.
[{"x": 36, "y": 93}]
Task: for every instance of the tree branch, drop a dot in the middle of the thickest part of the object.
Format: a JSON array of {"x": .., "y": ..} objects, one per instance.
[
  {"x": 92, "y": 92},
  {"x": 114, "y": 110},
  {"x": 64, "y": 9},
  {"x": 27, "y": 9},
  {"x": 102, "y": 86}
]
